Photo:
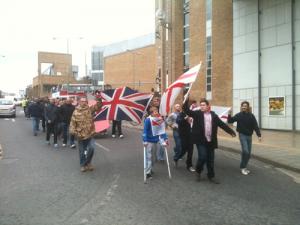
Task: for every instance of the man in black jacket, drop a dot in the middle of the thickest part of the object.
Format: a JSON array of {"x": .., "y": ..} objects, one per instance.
[
  {"x": 246, "y": 124},
  {"x": 36, "y": 112},
  {"x": 184, "y": 129},
  {"x": 204, "y": 135},
  {"x": 51, "y": 112},
  {"x": 67, "y": 110}
]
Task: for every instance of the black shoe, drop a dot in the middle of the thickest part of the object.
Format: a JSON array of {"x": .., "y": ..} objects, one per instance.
[
  {"x": 149, "y": 176},
  {"x": 213, "y": 180}
]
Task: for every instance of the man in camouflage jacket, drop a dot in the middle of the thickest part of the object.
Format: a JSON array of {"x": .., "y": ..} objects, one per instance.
[{"x": 82, "y": 126}]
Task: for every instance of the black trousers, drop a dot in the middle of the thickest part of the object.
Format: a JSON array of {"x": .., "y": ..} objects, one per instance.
[
  {"x": 187, "y": 147},
  {"x": 43, "y": 123},
  {"x": 118, "y": 124},
  {"x": 51, "y": 129},
  {"x": 206, "y": 155}
]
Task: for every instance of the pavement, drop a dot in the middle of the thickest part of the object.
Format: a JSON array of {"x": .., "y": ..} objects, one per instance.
[{"x": 278, "y": 148}]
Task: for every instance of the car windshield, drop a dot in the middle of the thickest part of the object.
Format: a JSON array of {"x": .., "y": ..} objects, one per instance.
[{"x": 6, "y": 102}]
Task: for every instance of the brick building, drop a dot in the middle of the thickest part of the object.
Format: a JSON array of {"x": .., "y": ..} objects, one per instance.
[
  {"x": 130, "y": 63},
  {"x": 190, "y": 31},
  {"x": 53, "y": 69}
]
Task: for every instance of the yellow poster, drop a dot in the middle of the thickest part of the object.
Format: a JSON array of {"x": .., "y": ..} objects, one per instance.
[{"x": 276, "y": 106}]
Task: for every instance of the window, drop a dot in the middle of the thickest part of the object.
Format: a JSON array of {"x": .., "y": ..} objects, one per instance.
[
  {"x": 208, "y": 49},
  {"x": 186, "y": 34}
]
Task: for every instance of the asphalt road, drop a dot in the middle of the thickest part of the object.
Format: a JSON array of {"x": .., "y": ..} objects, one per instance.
[{"x": 41, "y": 185}]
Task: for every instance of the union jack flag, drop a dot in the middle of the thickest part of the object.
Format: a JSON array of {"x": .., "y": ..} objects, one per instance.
[{"x": 123, "y": 104}]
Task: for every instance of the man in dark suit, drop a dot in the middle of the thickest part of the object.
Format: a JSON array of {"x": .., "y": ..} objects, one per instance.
[{"x": 204, "y": 135}]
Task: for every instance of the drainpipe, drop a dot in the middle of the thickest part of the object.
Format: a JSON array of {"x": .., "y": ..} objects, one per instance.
[
  {"x": 259, "y": 65},
  {"x": 293, "y": 67}
]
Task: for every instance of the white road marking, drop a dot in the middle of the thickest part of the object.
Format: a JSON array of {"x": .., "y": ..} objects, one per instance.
[
  {"x": 294, "y": 175},
  {"x": 1, "y": 152},
  {"x": 13, "y": 120},
  {"x": 104, "y": 148}
]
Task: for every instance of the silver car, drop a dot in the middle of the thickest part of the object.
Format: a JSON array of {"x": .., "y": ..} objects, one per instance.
[{"x": 7, "y": 107}]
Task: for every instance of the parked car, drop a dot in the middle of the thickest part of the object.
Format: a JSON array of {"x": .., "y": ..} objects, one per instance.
[{"x": 7, "y": 107}]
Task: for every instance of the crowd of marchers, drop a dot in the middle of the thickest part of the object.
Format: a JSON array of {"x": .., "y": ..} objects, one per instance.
[
  {"x": 66, "y": 120},
  {"x": 193, "y": 124}
]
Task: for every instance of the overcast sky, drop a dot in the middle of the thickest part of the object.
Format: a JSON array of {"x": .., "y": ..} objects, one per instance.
[{"x": 28, "y": 26}]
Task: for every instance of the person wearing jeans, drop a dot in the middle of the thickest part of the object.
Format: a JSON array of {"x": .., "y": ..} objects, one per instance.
[
  {"x": 204, "y": 135},
  {"x": 171, "y": 121},
  {"x": 246, "y": 124},
  {"x": 35, "y": 111},
  {"x": 152, "y": 138},
  {"x": 67, "y": 110},
  {"x": 86, "y": 152},
  {"x": 83, "y": 127}
]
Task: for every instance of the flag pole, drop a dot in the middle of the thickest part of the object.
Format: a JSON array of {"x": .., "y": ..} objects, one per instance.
[
  {"x": 145, "y": 164},
  {"x": 167, "y": 158}
]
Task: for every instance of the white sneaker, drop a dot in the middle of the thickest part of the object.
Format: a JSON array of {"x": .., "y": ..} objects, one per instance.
[
  {"x": 248, "y": 171},
  {"x": 121, "y": 136},
  {"x": 73, "y": 146},
  {"x": 55, "y": 145},
  {"x": 191, "y": 169},
  {"x": 244, "y": 171},
  {"x": 64, "y": 145},
  {"x": 113, "y": 136}
]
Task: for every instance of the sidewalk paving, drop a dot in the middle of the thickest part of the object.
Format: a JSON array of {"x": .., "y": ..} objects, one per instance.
[{"x": 278, "y": 148}]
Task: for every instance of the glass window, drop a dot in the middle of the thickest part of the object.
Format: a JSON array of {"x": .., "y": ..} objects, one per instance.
[
  {"x": 208, "y": 56},
  {"x": 208, "y": 87},
  {"x": 208, "y": 9},
  {"x": 208, "y": 64},
  {"x": 208, "y": 80},
  {"x": 186, "y": 19},
  {"x": 208, "y": 72},
  {"x": 186, "y": 45},
  {"x": 186, "y": 32},
  {"x": 186, "y": 59},
  {"x": 208, "y": 50},
  {"x": 208, "y": 40}
]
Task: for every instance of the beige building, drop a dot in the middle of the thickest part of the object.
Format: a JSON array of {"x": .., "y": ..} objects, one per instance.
[
  {"x": 130, "y": 63},
  {"x": 135, "y": 69},
  {"x": 53, "y": 69}
]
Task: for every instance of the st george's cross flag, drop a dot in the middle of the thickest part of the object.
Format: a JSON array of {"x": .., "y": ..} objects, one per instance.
[
  {"x": 158, "y": 125},
  {"x": 171, "y": 93},
  {"x": 123, "y": 104}
]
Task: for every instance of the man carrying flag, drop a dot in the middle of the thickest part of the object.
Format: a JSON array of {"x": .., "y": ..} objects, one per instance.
[{"x": 153, "y": 133}]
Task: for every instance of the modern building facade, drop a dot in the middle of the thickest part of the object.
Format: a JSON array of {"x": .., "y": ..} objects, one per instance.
[
  {"x": 266, "y": 62},
  {"x": 53, "y": 69}
]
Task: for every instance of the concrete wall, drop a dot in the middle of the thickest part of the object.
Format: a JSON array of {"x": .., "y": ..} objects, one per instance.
[{"x": 276, "y": 57}]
